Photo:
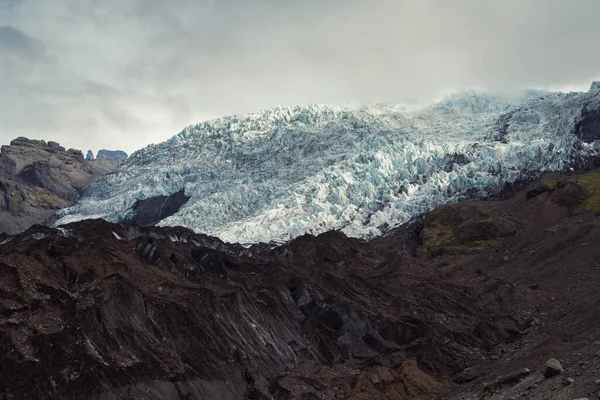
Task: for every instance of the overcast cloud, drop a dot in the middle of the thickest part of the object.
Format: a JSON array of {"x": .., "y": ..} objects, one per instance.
[{"x": 126, "y": 73}]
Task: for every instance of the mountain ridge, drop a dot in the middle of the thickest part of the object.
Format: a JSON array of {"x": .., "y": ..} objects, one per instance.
[{"x": 37, "y": 178}]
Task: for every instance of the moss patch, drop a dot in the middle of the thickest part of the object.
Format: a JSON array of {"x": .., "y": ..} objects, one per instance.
[
  {"x": 550, "y": 183},
  {"x": 13, "y": 205},
  {"x": 558, "y": 227},
  {"x": 27, "y": 168},
  {"x": 591, "y": 183},
  {"x": 51, "y": 201},
  {"x": 465, "y": 228},
  {"x": 437, "y": 236},
  {"x": 11, "y": 195}
]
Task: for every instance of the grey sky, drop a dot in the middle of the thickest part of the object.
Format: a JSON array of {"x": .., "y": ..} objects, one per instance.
[{"x": 126, "y": 73}]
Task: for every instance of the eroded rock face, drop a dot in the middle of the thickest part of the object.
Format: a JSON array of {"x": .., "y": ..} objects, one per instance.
[
  {"x": 112, "y": 155},
  {"x": 155, "y": 209},
  {"x": 587, "y": 127},
  {"x": 95, "y": 310},
  {"x": 38, "y": 178},
  {"x": 123, "y": 310}
]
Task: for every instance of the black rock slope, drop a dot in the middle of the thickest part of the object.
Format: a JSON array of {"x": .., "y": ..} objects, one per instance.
[{"x": 456, "y": 303}]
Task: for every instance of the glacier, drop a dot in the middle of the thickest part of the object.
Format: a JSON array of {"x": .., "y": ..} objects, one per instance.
[{"x": 273, "y": 175}]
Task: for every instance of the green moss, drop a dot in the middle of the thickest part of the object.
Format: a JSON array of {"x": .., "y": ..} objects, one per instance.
[
  {"x": 437, "y": 232},
  {"x": 477, "y": 245},
  {"x": 11, "y": 196},
  {"x": 557, "y": 227},
  {"x": 51, "y": 201},
  {"x": 13, "y": 205},
  {"x": 550, "y": 183},
  {"x": 464, "y": 228},
  {"x": 27, "y": 168},
  {"x": 31, "y": 166},
  {"x": 590, "y": 182},
  {"x": 443, "y": 236},
  {"x": 437, "y": 236}
]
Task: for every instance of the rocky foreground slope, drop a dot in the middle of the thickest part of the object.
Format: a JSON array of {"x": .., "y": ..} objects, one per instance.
[
  {"x": 467, "y": 302},
  {"x": 39, "y": 178}
]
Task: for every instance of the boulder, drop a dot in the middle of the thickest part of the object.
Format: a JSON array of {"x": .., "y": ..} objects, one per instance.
[
  {"x": 552, "y": 368},
  {"x": 569, "y": 381}
]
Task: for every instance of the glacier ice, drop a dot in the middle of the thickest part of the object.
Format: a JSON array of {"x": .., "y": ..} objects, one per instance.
[{"x": 277, "y": 174}]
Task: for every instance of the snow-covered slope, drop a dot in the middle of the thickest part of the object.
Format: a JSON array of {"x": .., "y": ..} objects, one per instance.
[{"x": 277, "y": 174}]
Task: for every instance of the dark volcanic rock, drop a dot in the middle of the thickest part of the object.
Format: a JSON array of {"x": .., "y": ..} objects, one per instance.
[
  {"x": 38, "y": 178},
  {"x": 539, "y": 190},
  {"x": 454, "y": 159},
  {"x": 552, "y": 368},
  {"x": 89, "y": 156},
  {"x": 117, "y": 311},
  {"x": 503, "y": 126},
  {"x": 153, "y": 210},
  {"x": 112, "y": 155},
  {"x": 588, "y": 126}
]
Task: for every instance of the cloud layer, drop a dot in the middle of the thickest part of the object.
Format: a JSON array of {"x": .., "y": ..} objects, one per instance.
[{"x": 125, "y": 73}]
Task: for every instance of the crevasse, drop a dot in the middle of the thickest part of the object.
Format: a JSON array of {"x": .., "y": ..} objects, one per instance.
[{"x": 277, "y": 174}]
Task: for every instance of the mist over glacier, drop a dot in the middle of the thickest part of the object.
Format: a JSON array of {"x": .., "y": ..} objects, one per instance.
[{"x": 277, "y": 174}]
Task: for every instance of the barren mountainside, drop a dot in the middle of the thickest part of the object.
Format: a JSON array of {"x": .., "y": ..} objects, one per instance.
[
  {"x": 39, "y": 178},
  {"x": 468, "y": 301}
]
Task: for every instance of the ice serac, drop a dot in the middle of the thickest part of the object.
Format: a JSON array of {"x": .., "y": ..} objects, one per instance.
[{"x": 274, "y": 175}]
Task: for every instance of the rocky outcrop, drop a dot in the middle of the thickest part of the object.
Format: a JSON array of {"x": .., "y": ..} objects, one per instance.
[
  {"x": 112, "y": 155},
  {"x": 89, "y": 156},
  {"x": 153, "y": 210},
  {"x": 587, "y": 127},
  {"x": 37, "y": 178},
  {"x": 95, "y": 310}
]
